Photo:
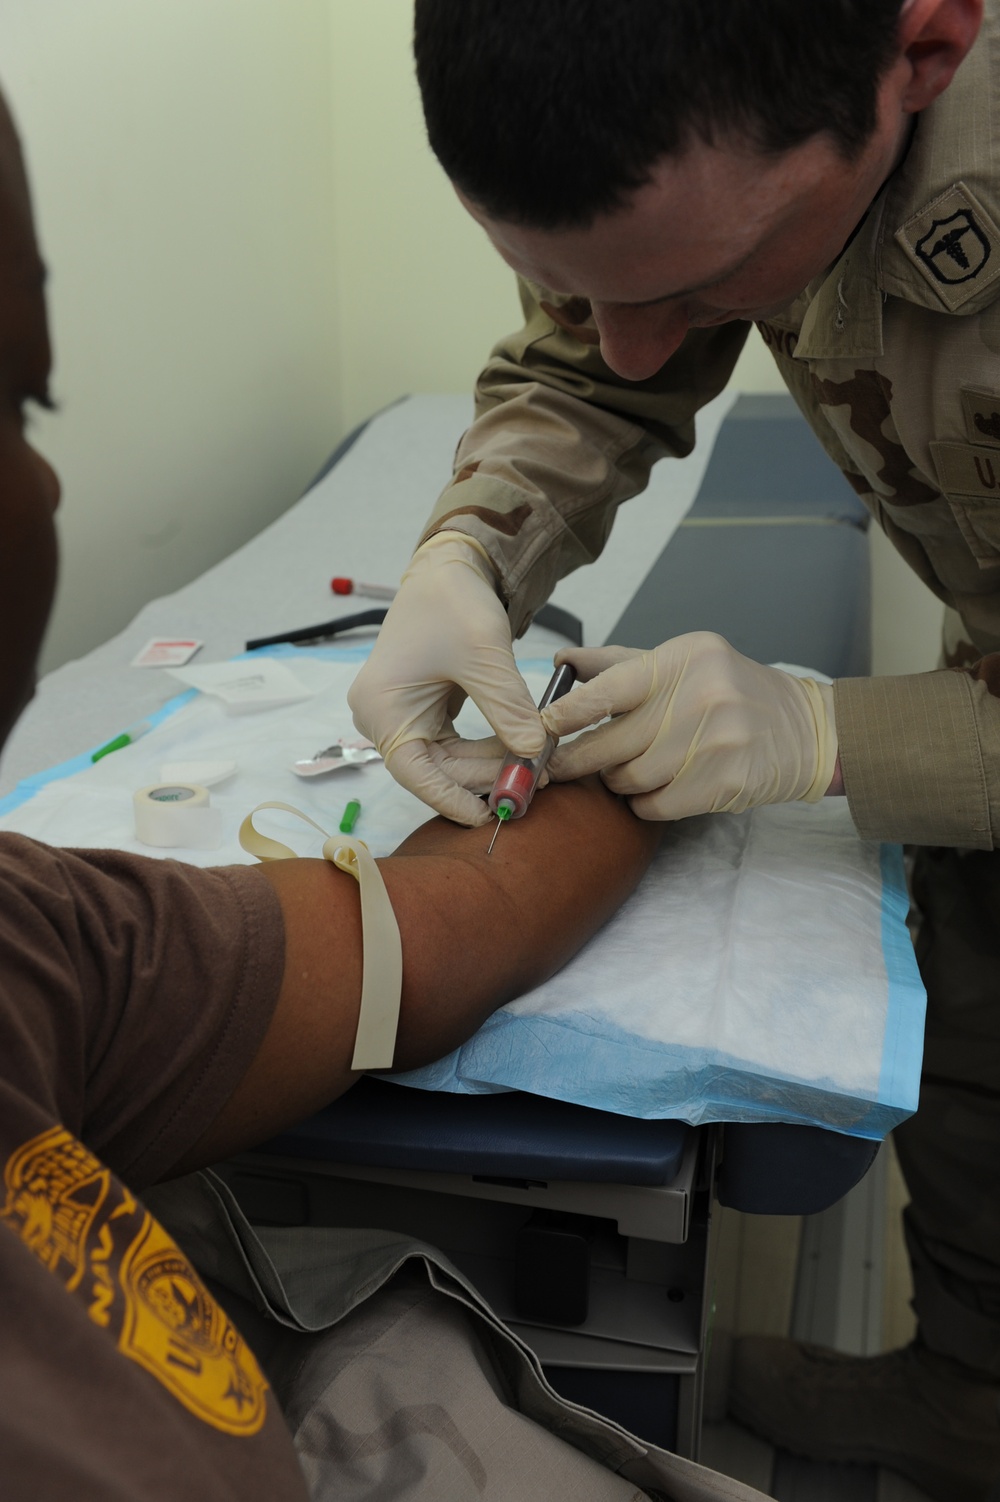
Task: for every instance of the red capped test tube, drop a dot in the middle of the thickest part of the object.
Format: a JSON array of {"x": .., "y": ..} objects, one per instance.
[{"x": 518, "y": 777}]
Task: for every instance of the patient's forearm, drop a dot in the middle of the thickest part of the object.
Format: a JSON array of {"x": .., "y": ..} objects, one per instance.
[
  {"x": 476, "y": 931},
  {"x": 479, "y": 930}
]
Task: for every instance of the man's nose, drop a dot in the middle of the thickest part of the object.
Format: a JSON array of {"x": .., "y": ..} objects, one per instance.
[{"x": 637, "y": 342}]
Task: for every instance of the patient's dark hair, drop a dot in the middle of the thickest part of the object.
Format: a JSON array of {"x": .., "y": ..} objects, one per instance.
[{"x": 549, "y": 112}]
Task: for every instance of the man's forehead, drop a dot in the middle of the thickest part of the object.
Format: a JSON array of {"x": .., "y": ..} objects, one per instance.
[
  {"x": 625, "y": 260},
  {"x": 23, "y": 331},
  {"x": 700, "y": 219},
  {"x": 17, "y": 235}
]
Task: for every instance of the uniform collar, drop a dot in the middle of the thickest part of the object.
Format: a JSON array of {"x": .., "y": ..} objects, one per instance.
[{"x": 841, "y": 312}]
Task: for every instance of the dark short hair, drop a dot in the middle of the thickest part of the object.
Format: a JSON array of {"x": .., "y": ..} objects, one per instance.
[{"x": 550, "y": 112}]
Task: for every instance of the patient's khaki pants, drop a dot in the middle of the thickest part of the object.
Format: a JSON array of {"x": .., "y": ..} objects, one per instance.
[
  {"x": 950, "y": 1150},
  {"x": 398, "y": 1381}
]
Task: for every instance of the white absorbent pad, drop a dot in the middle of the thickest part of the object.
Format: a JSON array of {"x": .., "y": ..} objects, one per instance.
[{"x": 761, "y": 972}]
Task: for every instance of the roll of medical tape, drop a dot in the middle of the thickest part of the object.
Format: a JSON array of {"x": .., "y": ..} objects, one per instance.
[{"x": 177, "y": 813}]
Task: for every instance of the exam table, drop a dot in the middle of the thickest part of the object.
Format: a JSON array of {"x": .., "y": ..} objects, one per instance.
[{"x": 589, "y": 1231}]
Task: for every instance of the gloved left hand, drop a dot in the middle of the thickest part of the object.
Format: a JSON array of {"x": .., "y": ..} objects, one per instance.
[
  {"x": 696, "y": 728},
  {"x": 446, "y": 635}
]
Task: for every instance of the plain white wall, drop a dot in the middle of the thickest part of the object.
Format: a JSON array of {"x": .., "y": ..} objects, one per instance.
[
  {"x": 422, "y": 296},
  {"x": 906, "y": 617},
  {"x": 179, "y": 152}
]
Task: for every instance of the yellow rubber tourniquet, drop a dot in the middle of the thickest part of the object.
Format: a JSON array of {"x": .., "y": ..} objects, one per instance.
[{"x": 378, "y": 1019}]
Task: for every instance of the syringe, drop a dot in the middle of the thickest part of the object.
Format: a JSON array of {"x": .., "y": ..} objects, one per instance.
[{"x": 518, "y": 778}]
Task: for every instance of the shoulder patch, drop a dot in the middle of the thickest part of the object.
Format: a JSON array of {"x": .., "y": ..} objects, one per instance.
[
  {"x": 133, "y": 1280},
  {"x": 954, "y": 244}
]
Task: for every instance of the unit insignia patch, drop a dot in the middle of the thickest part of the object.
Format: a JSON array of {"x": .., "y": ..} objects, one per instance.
[
  {"x": 955, "y": 248},
  {"x": 954, "y": 244}
]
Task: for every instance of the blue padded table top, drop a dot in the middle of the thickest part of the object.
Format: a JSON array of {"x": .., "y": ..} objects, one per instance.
[
  {"x": 772, "y": 508},
  {"x": 768, "y": 462},
  {"x": 505, "y": 1135}
]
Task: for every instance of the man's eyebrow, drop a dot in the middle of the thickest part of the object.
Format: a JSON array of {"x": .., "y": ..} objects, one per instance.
[{"x": 712, "y": 281}]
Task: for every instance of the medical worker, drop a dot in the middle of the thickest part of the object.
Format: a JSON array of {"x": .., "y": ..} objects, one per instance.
[{"x": 661, "y": 174}]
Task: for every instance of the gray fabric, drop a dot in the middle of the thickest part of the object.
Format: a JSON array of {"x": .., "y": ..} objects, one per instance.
[
  {"x": 405, "y": 1403},
  {"x": 399, "y": 1381}
]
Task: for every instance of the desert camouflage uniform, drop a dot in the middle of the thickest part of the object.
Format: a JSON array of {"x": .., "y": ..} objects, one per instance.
[{"x": 894, "y": 358}]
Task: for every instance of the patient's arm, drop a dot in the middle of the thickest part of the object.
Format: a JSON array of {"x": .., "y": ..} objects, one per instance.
[{"x": 476, "y": 931}]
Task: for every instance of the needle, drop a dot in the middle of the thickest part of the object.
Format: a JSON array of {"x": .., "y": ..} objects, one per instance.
[{"x": 504, "y": 811}]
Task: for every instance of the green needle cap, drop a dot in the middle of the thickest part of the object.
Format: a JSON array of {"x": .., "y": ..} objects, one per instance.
[{"x": 350, "y": 817}]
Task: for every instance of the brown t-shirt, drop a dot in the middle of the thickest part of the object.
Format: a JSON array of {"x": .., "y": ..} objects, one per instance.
[{"x": 133, "y": 995}]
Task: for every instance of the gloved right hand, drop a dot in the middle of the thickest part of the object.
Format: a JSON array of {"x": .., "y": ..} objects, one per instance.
[
  {"x": 446, "y": 635},
  {"x": 695, "y": 728}
]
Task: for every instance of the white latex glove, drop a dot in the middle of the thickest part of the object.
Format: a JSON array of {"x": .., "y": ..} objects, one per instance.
[
  {"x": 474, "y": 764},
  {"x": 697, "y": 728},
  {"x": 446, "y": 635}
]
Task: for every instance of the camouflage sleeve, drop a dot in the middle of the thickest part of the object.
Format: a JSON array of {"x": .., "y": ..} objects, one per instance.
[
  {"x": 921, "y": 755},
  {"x": 559, "y": 441}
]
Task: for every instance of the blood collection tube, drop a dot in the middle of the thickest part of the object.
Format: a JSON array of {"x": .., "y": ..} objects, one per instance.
[{"x": 518, "y": 776}]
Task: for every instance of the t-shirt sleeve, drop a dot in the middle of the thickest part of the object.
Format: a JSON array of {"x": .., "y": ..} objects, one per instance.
[{"x": 134, "y": 993}]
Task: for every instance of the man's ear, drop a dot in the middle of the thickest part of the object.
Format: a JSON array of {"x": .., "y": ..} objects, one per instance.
[{"x": 934, "y": 37}]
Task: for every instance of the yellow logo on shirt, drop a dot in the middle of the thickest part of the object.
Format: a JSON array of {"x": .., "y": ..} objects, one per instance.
[{"x": 135, "y": 1282}]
